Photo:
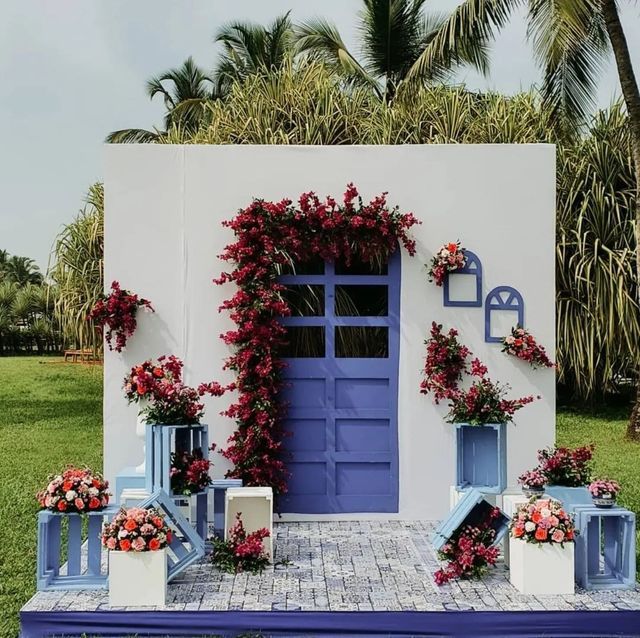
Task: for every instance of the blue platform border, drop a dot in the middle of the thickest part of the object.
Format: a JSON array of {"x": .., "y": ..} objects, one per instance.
[{"x": 523, "y": 624}]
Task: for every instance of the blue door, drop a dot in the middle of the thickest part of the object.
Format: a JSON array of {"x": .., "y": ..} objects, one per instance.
[{"x": 342, "y": 387}]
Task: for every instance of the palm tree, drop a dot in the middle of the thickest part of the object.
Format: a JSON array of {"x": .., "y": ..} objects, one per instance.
[
  {"x": 184, "y": 90},
  {"x": 394, "y": 34},
  {"x": 22, "y": 271},
  {"x": 571, "y": 39},
  {"x": 250, "y": 48}
]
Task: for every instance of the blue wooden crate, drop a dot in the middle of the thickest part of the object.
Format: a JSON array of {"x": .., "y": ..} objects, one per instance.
[
  {"x": 161, "y": 441},
  {"x": 471, "y": 509},
  {"x": 50, "y": 549},
  {"x": 481, "y": 457},
  {"x": 187, "y": 546},
  {"x": 219, "y": 488},
  {"x": 605, "y": 547},
  {"x": 570, "y": 497},
  {"x": 128, "y": 478}
]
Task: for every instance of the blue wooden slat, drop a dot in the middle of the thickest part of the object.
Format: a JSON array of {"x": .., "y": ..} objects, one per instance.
[
  {"x": 502, "y": 298},
  {"x": 74, "y": 544},
  {"x": 54, "y": 538},
  {"x": 94, "y": 529},
  {"x": 219, "y": 487}
]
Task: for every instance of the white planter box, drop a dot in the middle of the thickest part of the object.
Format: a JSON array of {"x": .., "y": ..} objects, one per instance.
[
  {"x": 541, "y": 569},
  {"x": 510, "y": 503},
  {"x": 137, "y": 579},
  {"x": 256, "y": 507}
]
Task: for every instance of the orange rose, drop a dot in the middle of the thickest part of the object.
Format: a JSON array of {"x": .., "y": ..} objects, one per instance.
[
  {"x": 158, "y": 522},
  {"x": 536, "y": 517},
  {"x": 452, "y": 248},
  {"x": 141, "y": 389},
  {"x": 62, "y": 506},
  {"x": 518, "y": 531},
  {"x": 541, "y": 534},
  {"x": 94, "y": 503},
  {"x": 154, "y": 544},
  {"x": 67, "y": 485},
  {"x": 125, "y": 544},
  {"x": 569, "y": 535},
  {"x": 130, "y": 525},
  {"x": 158, "y": 372}
]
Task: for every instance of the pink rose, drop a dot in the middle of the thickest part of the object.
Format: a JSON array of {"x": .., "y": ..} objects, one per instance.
[
  {"x": 111, "y": 543},
  {"x": 557, "y": 536},
  {"x": 138, "y": 544}
]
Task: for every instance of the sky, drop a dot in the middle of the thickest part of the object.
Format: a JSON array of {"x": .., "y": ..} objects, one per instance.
[{"x": 74, "y": 70}]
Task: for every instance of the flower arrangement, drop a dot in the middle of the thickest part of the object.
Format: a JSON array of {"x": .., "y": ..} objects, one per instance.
[
  {"x": 449, "y": 258},
  {"x": 117, "y": 311},
  {"x": 484, "y": 402},
  {"x": 444, "y": 364},
  {"x": 604, "y": 489},
  {"x": 75, "y": 490},
  {"x": 267, "y": 236},
  {"x": 563, "y": 466},
  {"x": 534, "y": 480},
  {"x": 241, "y": 552},
  {"x": 542, "y": 521},
  {"x": 159, "y": 383},
  {"x": 136, "y": 530},
  {"x": 522, "y": 344},
  {"x": 189, "y": 471},
  {"x": 470, "y": 552}
]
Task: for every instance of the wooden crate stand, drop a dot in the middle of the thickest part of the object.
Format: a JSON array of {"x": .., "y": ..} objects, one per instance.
[
  {"x": 50, "y": 548},
  {"x": 481, "y": 457}
]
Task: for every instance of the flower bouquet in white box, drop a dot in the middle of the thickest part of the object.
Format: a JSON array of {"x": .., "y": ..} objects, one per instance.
[
  {"x": 137, "y": 540},
  {"x": 541, "y": 549}
]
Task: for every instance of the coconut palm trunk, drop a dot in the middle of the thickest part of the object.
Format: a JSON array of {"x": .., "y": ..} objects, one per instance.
[{"x": 631, "y": 95}]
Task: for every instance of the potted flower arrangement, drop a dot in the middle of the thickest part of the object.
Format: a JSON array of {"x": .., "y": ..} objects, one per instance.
[
  {"x": 470, "y": 552},
  {"x": 566, "y": 467},
  {"x": 541, "y": 549},
  {"x": 522, "y": 344},
  {"x": 604, "y": 492},
  {"x": 75, "y": 490},
  {"x": 533, "y": 482},
  {"x": 189, "y": 472},
  {"x": 137, "y": 540},
  {"x": 117, "y": 311},
  {"x": 449, "y": 258},
  {"x": 241, "y": 552}
]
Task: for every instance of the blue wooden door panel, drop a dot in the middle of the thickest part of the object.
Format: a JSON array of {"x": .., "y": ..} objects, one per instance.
[{"x": 342, "y": 411}]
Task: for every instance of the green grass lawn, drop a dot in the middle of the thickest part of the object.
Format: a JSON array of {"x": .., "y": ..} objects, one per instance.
[{"x": 51, "y": 415}]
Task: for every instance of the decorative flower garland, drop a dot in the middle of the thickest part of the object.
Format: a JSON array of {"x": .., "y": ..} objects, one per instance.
[
  {"x": 449, "y": 258},
  {"x": 117, "y": 311},
  {"x": 522, "y": 344},
  {"x": 270, "y": 235}
]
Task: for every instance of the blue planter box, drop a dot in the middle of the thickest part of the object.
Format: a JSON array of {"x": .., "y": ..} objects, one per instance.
[
  {"x": 481, "y": 457},
  {"x": 78, "y": 574},
  {"x": 605, "y": 547},
  {"x": 161, "y": 441},
  {"x": 471, "y": 509},
  {"x": 570, "y": 497}
]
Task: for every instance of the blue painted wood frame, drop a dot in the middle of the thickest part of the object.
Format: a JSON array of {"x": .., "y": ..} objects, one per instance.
[
  {"x": 50, "y": 550},
  {"x": 502, "y": 298},
  {"x": 219, "y": 488},
  {"x": 352, "y": 465},
  {"x": 473, "y": 268},
  {"x": 470, "y": 510},
  {"x": 186, "y": 546},
  {"x": 481, "y": 457},
  {"x": 605, "y": 547}
]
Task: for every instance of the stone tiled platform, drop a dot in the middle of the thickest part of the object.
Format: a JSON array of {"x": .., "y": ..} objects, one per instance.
[{"x": 373, "y": 566}]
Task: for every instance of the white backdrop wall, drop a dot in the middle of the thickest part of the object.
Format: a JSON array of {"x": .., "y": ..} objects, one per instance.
[{"x": 163, "y": 211}]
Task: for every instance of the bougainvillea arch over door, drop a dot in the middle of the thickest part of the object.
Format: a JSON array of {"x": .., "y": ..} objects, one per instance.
[{"x": 269, "y": 236}]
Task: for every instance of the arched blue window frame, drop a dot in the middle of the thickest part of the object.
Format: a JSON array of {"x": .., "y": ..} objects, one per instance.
[
  {"x": 502, "y": 298},
  {"x": 472, "y": 267}
]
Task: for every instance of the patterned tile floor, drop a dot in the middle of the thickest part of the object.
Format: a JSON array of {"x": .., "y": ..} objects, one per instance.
[{"x": 346, "y": 566}]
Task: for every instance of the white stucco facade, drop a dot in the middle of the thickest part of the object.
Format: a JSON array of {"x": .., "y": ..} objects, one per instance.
[{"x": 163, "y": 211}]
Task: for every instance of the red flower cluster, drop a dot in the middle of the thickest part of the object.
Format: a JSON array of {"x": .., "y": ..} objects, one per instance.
[
  {"x": 75, "y": 490},
  {"x": 241, "y": 552},
  {"x": 117, "y": 311},
  {"x": 136, "y": 530},
  {"x": 444, "y": 364},
  {"x": 522, "y": 344},
  {"x": 469, "y": 552},
  {"x": 190, "y": 471},
  {"x": 270, "y": 235},
  {"x": 563, "y": 466},
  {"x": 449, "y": 258},
  {"x": 147, "y": 379}
]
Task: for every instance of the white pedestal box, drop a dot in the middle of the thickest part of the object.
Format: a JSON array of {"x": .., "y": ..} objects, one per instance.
[
  {"x": 456, "y": 495},
  {"x": 256, "y": 507},
  {"x": 133, "y": 496},
  {"x": 541, "y": 569},
  {"x": 138, "y": 579}
]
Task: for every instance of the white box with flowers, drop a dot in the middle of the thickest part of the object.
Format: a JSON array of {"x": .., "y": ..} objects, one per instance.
[
  {"x": 541, "y": 568},
  {"x": 138, "y": 579}
]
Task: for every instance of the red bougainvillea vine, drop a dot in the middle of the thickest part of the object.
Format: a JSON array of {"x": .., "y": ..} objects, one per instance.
[{"x": 268, "y": 237}]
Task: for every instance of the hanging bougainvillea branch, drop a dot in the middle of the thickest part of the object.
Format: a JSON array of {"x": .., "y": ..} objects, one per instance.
[{"x": 268, "y": 237}]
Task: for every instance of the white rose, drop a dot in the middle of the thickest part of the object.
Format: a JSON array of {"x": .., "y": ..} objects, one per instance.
[
  {"x": 93, "y": 491},
  {"x": 70, "y": 495},
  {"x": 545, "y": 513},
  {"x": 123, "y": 533},
  {"x": 529, "y": 526}
]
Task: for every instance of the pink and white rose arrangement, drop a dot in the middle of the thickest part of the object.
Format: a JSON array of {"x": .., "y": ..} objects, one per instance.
[
  {"x": 522, "y": 344},
  {"x": 136, "y": 530},
  {"x": 604, "y": 488},
  {"x": 75, "y": 490},
  {"x": 542, "y": 521},
  {"x": 449, "y": 258},
  {"x": 533, "y": 479}
]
